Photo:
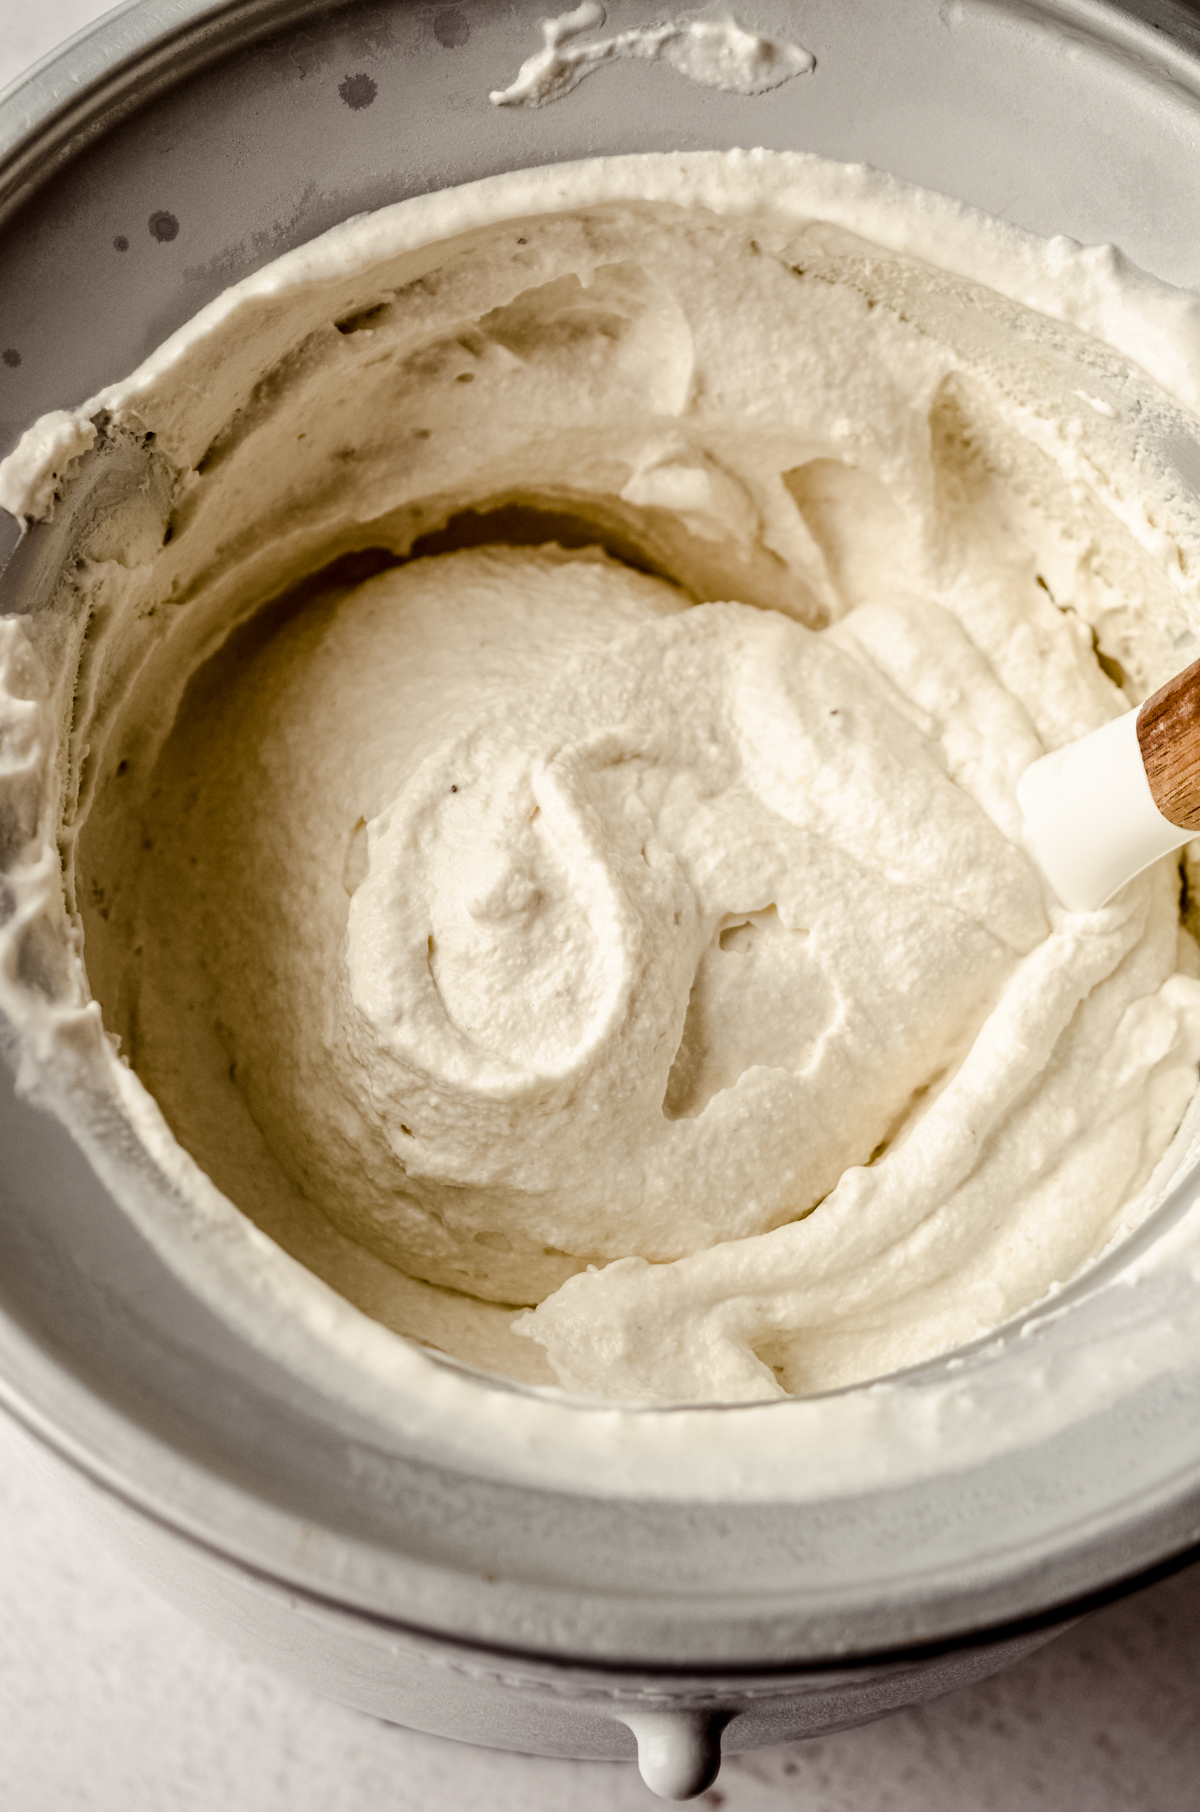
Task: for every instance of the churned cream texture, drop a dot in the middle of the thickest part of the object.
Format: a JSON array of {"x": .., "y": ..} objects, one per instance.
[{"x": 601, "y": 942}]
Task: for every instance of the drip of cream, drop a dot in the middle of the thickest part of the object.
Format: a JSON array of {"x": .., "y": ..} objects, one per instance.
[{"x": 715, "y": 53}]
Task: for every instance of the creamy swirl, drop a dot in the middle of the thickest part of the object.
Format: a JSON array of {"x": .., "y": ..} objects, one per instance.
[{"x": 659, "y": 948}]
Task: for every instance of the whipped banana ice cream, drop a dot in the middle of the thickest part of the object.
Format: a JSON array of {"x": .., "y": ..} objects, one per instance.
[{"x": 536, "y": 767}]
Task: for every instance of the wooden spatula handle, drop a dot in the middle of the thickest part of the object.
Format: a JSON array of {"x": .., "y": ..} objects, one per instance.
[{"x": 1168, "y": 730}]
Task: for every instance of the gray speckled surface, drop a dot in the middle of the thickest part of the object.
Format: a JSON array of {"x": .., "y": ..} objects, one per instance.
[{"x": 110, "y": 1700}]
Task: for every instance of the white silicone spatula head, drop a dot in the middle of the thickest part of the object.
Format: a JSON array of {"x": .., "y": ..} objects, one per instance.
[{"x": 1104, "y": 808}]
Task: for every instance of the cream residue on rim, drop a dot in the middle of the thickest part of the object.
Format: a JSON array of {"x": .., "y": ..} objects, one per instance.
[
  {"x": 716, "y": 53},
  {"x": 639, "y": 930}
]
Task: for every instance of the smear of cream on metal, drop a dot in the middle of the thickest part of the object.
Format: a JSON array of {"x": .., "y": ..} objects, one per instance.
[{"x": 716, "y": 53}]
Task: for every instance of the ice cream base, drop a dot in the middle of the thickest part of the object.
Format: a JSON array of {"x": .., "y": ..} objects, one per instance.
[{"x": 533, "y": 758}]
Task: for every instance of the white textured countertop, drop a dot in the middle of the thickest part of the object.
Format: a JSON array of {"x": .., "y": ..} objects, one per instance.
[{"x": 112, "y": 1702}]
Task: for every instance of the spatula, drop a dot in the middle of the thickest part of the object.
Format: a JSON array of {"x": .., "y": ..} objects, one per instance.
[{"x": 1102, "y": 809}]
